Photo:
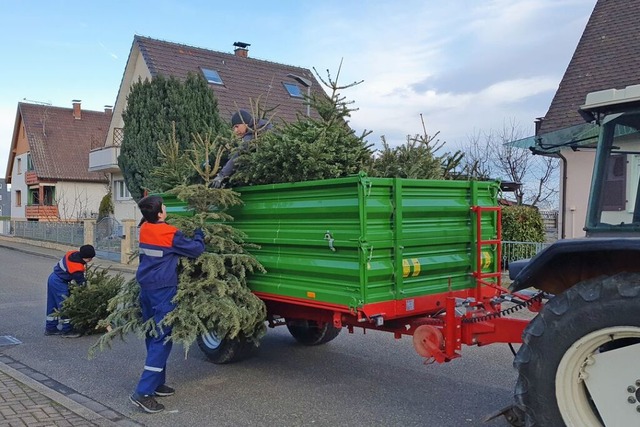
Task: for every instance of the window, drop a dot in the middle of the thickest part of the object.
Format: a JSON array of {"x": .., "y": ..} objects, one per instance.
[
  {"x": 1, "y": 186},
  {"x": 293, "y": 90},
  {"x": 212, "y": 76},
  {"x": 29, "y": 162},
  {"x": 0, "y": 196},
  {"x": 19, "y": 166},
  {"x": 614, "y": 192},
  {"x": 34, "y": 196},
  {"x": 120, "y": 190},
  {"x": 49, "y": 195},
  {"x": 18, "y": 198}
]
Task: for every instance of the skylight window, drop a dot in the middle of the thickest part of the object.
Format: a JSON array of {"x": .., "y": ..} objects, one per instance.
[
  {"x": 212, "y": 76},
  {"x": 293, "y": 90}
]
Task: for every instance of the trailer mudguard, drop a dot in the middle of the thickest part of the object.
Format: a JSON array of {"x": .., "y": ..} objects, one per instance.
[{"x": 567, "y": 262}]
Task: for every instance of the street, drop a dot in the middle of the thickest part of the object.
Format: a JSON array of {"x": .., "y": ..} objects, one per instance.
[{"x": 356, "y": 380}]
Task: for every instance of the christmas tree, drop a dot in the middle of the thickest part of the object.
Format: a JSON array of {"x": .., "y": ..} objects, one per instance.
[{"x": 213, "y": 296}]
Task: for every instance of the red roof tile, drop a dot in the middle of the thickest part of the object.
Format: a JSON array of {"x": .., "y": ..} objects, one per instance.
[
  {"x": 607, "y": 56},
  {"x": 244, "y": 79},
  {"x": 60, "y": 144}
]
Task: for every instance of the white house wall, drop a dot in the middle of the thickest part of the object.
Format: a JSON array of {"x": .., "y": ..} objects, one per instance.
[
  {"x": 578, "y": 185},
  {"x": 79, "y": 200},
  {"x": 123, "y": 209},
  {"x": 135, "y": 69},
  {"x": 18, "y": 184}
]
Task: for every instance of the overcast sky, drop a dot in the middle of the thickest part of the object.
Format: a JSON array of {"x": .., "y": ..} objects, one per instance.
[{"x": 465, "y": 65}]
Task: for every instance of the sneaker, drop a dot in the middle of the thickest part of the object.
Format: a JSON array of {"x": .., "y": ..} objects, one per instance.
[
  {"x": 147, "y": 403},
  {"x": 70, "y": 334},
  {"x": 164, "y": 390},
  {"x": 49, "y": 332}
]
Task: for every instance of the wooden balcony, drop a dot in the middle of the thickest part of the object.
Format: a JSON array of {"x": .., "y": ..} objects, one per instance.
[
  {"x": 31, "y": 178},
  {"x": 42, "y": 212}
]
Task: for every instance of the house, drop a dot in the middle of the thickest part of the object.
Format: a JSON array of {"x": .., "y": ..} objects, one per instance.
[
  {"x": 5, "y": 199},
  {"x": 606, "y": 57},
  {"x": 47, "y": 166},
  {"x": 236, "y": 80}
]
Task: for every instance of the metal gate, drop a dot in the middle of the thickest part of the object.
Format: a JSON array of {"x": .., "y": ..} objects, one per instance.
[{"x": 108, "y": 235}]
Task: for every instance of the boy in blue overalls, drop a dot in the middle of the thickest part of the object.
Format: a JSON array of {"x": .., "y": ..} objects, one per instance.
[
  {"x": 71, "y": 267},
  {"x": 161, "y": 246}
]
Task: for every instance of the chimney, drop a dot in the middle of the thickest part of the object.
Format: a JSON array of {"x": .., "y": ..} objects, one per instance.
[
  {"x": 241, "y": 49},
  {"x": 77, "y": 111},
  {"x": 108, "y": 109},
  {"x": 538, "y": 124}
]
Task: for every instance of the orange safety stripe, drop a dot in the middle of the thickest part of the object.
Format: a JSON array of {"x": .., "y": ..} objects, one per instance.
[
  {"x": 160, "y": 234},
  {"x": 72, "y": 266}
]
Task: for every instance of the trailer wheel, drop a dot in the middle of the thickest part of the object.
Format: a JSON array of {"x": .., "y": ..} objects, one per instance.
[
  {"x": 566, "y": 375},
  {"x": 221, "y": 351},
  {"x": 310, "y": 332}
]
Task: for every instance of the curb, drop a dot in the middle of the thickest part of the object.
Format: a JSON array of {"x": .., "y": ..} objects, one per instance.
[{"x": 63, "y": 400}]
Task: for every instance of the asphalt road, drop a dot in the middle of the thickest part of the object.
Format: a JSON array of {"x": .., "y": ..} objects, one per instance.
[{"x": 356, "y": 380}]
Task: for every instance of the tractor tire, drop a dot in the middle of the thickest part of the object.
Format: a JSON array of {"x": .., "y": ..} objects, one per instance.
[
  {"x": 587, "y": 320},
  {"x": 310, "y": 332},
  {"x": 221, "y": 351}
]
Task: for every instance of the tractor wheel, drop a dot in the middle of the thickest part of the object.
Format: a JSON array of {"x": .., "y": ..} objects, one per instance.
[
  {"x": 310, "y": 332},
  {"x": 221, "y": 351},
  {"x": 576, "y": 363}
]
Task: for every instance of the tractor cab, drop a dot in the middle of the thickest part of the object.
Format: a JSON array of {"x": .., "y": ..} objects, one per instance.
[{"x": 614, "y": 208}]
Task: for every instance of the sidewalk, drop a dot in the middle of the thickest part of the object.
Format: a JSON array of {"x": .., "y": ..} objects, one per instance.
[
  {"x": 32, "y": 247},
  {"x": 30, "y": 399}
]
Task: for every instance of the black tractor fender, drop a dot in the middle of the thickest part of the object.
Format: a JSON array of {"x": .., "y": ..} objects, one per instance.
[{"x": 567, "y": 262}]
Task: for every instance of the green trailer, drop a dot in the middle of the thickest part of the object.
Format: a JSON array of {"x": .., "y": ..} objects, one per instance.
[{"x": 410, "y": 256}]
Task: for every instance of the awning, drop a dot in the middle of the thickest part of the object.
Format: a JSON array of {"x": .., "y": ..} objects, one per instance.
[{"x": 582, "y": 135}]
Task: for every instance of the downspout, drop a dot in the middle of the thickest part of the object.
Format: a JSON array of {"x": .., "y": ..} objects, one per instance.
[{"x": 563, "y": 234}]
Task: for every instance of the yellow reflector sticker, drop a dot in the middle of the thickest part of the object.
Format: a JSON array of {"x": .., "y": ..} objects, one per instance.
[
  {"x": 486, "y": 259},
  {"x": 405, "y": 268},
  {"x": 416, "y": 266},
  {"x": 311, "y": 294}
]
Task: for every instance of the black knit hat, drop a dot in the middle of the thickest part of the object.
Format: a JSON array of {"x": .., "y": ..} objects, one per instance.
[
  {"x": 87, "y": 251},
  {"x": 241, "y": 117}
]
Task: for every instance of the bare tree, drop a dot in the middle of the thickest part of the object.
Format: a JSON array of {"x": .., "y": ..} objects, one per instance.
[
  {"x": 72, "y": 208},
  {"x": 492, "y": 155}
]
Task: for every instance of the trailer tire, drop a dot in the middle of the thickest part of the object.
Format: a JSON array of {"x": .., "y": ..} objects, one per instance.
[
  {"x": 548, "y": 362},
  {"x": 221, "y": 351},
  {"x": 311, "y": 332}
]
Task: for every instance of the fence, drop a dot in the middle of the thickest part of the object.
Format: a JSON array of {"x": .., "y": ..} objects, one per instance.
[
  {"x": 5, "y": 226},
  {"x": 513, "y": 251},
  {"x": 71, "y": 234}
]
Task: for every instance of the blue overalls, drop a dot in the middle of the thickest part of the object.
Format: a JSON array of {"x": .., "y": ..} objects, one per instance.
[
  {"x": 70, "y": 267},
  {"x": 161, "y": 246}
]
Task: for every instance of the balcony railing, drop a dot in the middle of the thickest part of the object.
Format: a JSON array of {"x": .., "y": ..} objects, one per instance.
[
  {"x": 105, "y": 159},
  {"x": 31, "y": 178},
  {"x": 43, "y": 212}
]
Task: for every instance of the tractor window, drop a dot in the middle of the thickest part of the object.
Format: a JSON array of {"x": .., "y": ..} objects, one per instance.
[{"x": 614, "y": 205}]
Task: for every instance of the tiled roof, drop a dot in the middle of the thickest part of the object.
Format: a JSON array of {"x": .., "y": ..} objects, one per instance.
[
  {"x": 244, "y": 79},
  {"x": 607, "y": 56},
  {"x": 60, "y": 144}
]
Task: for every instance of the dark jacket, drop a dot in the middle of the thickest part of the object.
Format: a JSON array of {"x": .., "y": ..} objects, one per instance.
[
  {"x": 71, "y": 267},
  {"x": 161, "y": 246},
  {"x": 229, "y": 167}
]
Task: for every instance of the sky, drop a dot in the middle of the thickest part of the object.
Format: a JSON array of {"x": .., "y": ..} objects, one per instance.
[{"x": 466, "y": 66}]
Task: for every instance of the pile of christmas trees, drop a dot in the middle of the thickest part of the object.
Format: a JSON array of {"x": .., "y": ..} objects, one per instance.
[{"x": 213, "y": 295}]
